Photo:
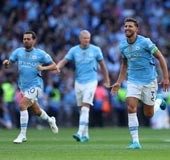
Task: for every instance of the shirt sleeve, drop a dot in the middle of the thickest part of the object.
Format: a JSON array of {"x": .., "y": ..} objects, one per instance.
[
  {"x": 69, "y": 56},
  {"x": 121, "y": 52},
  {"x": 99, "y": 54},
  {"x": 46, "y": 59},
  {"x": 14, "y": 56},
  {"x": 150, "y": 46}
]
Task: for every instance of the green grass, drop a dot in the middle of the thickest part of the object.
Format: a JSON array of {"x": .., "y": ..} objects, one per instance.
[{"x": 105, "y": 144}]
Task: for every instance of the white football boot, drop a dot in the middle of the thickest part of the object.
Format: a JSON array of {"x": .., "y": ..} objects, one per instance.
[
  {"x": 53, "y": 126},
  {"x": 21, "y": 138}
]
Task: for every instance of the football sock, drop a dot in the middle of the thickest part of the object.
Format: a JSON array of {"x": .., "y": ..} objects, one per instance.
[
  {"x": 44, "y": 115},
  {"x": 133, "y": 126},
  {"x": 83, "y": 121},
  {"x": 23, "y": 122},
  {"x": 86, "y": 132}
]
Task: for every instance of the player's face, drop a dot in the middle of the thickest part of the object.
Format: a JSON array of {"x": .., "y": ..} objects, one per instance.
[
  {"x": 28, "y": 41},
  {"x": 130, "y": 29},
  {"x": 85, "y": 39}
]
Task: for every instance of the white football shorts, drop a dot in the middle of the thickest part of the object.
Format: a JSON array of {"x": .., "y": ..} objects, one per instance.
[
  {"x": 33, "y": 93},
  {"x": 85, "y": 92},
  {"x": 146, "y": 93}
]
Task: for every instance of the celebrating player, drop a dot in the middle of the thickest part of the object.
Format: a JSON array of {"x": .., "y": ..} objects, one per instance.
[
  {"x": 138, "y": 63},
  {"x": 30, "y": 82}
]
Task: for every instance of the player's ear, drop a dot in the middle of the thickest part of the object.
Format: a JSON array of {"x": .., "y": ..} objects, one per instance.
[
  {"x": 137, "y": 29},
  {"x": 35, "y": 41}
]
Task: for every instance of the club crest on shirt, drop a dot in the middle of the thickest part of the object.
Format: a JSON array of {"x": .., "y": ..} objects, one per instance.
[
  {"x": 137, "y": 48},
  {"x": 34, "y": 57}
]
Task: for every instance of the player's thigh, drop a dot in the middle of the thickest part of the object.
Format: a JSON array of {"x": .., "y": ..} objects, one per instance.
[
  {"x": 148, "y": 110},
  {"x": 88, "y": 92},
  {"x": 149, "y": 93},
  {"x": 149, "y": 96},
  {"x": 79, "y": 93},
  {"x": 33, "y": 93},
  {"x": 36, "y": 108},
  {"x": 132, "y": 104},
  {"x": 134, "y": 90},
  {"x": 133, "y": 96},
  {"x": 85, "y": 93},
  {"x": 24, "y": 103}
]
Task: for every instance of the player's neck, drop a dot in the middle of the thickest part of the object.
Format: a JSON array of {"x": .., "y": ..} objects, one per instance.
[
  {"x": 132, "y": 39},
  {"x": 84, "y": 46},
  {"x": 28, "y": 49}
]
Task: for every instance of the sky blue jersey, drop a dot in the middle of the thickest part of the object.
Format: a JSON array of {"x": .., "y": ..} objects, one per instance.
[
  {"x": 86, "y": 61},
  {"x": 140, "y": 60},
  {"x": 27, "y": 62}
]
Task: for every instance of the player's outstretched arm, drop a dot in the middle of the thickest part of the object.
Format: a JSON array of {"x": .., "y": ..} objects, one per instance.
[
  {"x": 50, "y": 67},
  {"x": 61, "y": 64}
]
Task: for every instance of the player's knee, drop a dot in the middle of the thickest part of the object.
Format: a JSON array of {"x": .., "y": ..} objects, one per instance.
[
  {"x": 37, "y": 112},
  {"x": 36, "y": 109},
  {"x": 132, "y": 109},
  {"x": 148, "y": 114},
  {"x": 24, "y": 104}
]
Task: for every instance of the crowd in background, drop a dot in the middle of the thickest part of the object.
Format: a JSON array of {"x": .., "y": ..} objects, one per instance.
[{"x": 57, "y": 24}]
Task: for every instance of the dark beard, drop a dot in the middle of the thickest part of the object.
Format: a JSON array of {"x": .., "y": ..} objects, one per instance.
[
  {"x": 27, "y": 47},
  {"x": 129, "y": 36}
]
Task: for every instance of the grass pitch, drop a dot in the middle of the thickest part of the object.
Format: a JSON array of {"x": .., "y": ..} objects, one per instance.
[{"x": 104, "y": 144}]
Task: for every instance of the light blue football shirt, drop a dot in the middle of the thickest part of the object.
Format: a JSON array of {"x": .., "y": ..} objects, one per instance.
[
  {"x": 86, "y": 62},
  {"x": 141, "y": 65},
  {"x": 27, "y": 62}
]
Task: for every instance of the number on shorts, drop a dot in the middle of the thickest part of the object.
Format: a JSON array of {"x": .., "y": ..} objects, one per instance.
[
  {"x": 153, "y": 96},
  {"x": 32, "y": 90}
]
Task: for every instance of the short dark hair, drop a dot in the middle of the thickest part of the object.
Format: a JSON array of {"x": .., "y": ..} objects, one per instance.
[
  {"x": 129, "y": 19},
  {"x": 34, "y": 36}
]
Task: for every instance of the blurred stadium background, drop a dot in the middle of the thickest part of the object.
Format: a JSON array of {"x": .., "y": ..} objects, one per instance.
[{"x": 57, "y": 24}]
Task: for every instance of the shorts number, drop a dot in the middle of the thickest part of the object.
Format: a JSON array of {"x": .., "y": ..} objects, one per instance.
[
  {"x": 153, "y": 96},
  {"x": 32, "y": 90}
]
